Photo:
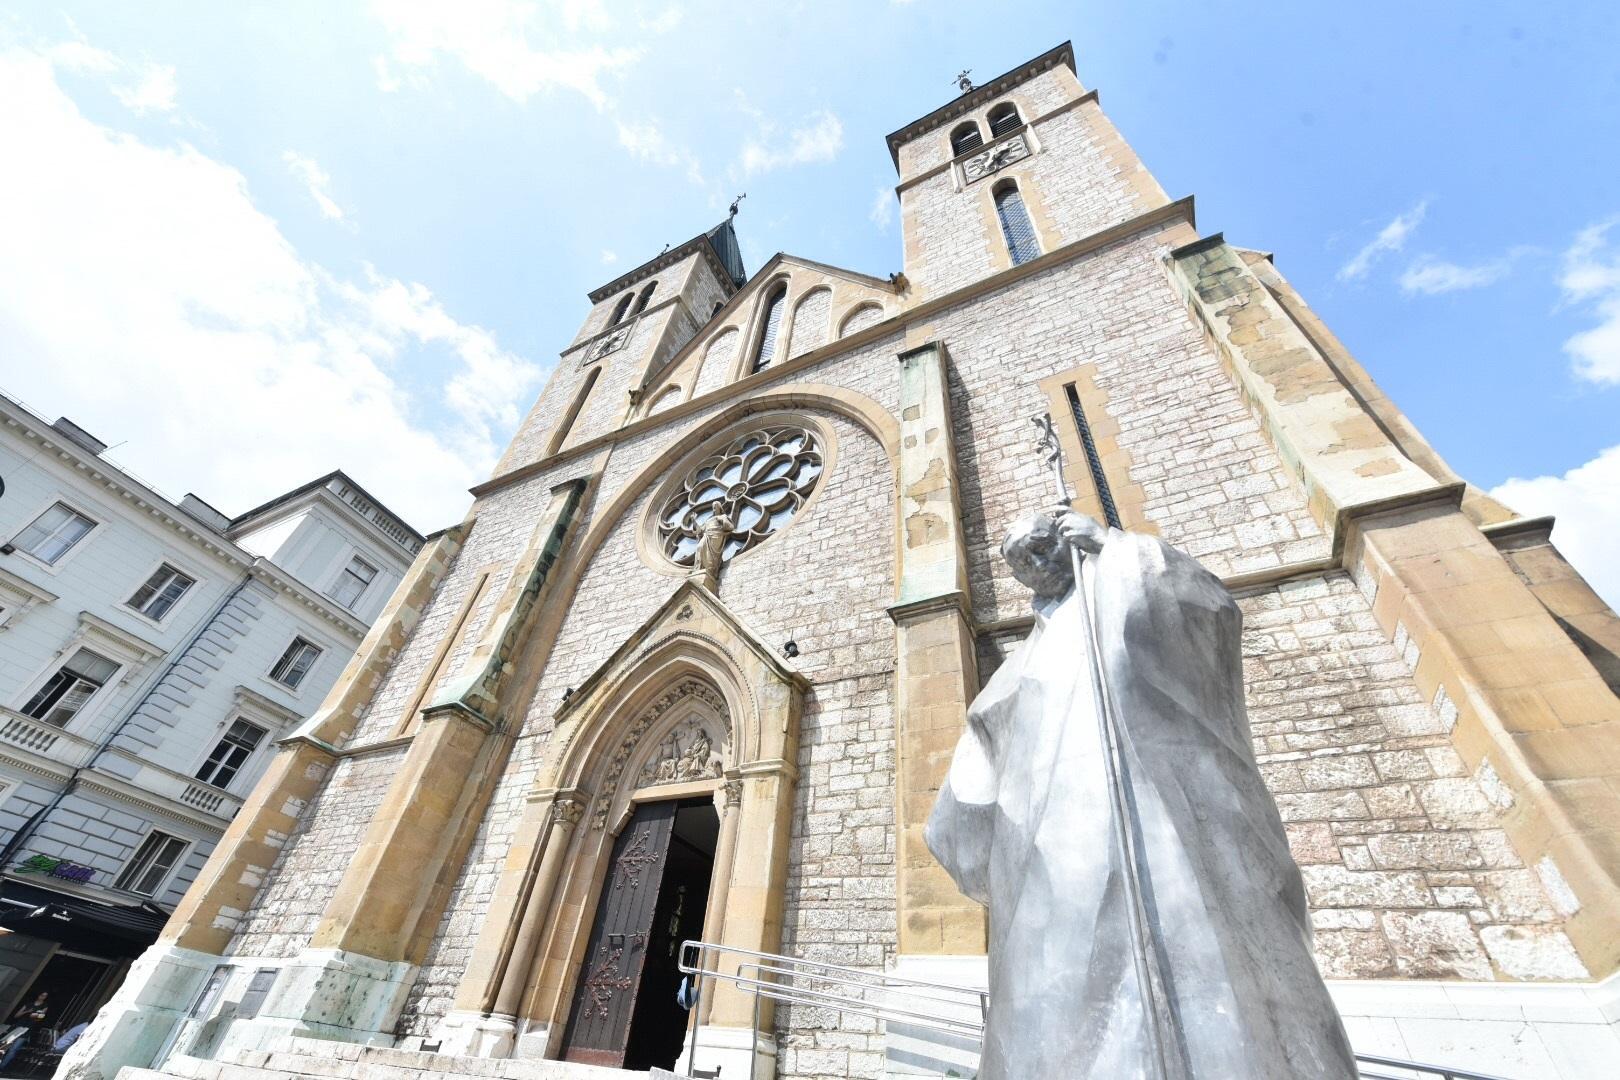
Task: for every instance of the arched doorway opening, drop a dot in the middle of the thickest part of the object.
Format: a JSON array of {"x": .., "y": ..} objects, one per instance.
[{"x": 625, "y": 1010}]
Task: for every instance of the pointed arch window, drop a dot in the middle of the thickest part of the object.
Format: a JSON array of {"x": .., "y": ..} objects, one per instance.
[
  {"x": 620, "y": 308},
  {"x": 1004, "y": 118},
  {"x": 965, "y": 138},
  {"x": 646, "y": 295},
  {"x": 1015, "y": 224},
  {"x": 765, "y": 351}
]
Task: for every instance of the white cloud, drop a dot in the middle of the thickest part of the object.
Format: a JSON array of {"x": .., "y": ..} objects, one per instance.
[
  {"x": 1431, "y": 276},
  {"x": 144, "y": 294},
  {"x": 820, "y": 139},
  {"x": 140, "y": 87},
  {"x": 664, "y": 21},
  {"x": 1390, "y": 238},
  {"x": 609, "y": 257},
  {"x": 154, "y": 90},
  {"x": 315, "y": 179},
  {"x": 882, "y": 212},
  {"x": 1586, "y": 501},
  {"x": 647, "y": 142},
  {"x": 1591, "y": 277},
  {"x": 519, "y": 47}
]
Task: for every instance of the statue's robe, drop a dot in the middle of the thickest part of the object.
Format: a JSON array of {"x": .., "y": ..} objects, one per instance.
[{"x": 1023, "y": 825}]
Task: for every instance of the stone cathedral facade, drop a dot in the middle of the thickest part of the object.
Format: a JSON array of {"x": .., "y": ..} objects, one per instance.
[{"x": 695, "y": 663}]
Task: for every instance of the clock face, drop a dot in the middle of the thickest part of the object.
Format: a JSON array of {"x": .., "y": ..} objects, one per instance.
[{"x": 995, "y": 158}]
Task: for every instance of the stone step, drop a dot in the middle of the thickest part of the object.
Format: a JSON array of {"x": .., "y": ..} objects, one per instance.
[{"x": 300, "y": 1059}]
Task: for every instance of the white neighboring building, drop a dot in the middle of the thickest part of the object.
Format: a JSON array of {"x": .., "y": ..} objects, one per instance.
[{"x": 151, "y": 654}]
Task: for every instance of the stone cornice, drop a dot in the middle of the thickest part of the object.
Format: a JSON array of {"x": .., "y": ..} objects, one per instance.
[
  {"x": 1180, "y": 210},
  {"x": 980, "y": 95},
  {"x": 698, "y": 244},
  {"x": 267, "y": 572},
  {"x": 138, "y": 495}
]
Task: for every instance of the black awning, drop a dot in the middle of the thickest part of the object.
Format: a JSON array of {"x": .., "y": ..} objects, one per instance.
[{"x": 74, "y": 920}]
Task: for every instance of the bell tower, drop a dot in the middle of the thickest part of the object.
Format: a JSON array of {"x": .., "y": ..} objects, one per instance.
[
  {"x": 636, "y": 321},
  {"x": 1010, "y": 171}
]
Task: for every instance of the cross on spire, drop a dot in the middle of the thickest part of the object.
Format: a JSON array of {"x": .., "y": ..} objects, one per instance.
[{"x": 734, "y": 202}]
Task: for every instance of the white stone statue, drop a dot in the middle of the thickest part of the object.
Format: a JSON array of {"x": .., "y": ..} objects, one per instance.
[{"x": 1028, "y": 824}]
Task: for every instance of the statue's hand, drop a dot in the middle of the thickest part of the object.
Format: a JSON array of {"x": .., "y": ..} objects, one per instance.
[{"x": 1081, "y": 531}]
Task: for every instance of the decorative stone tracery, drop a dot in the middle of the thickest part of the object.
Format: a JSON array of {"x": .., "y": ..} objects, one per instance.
[{"x": 756, "y": 484}]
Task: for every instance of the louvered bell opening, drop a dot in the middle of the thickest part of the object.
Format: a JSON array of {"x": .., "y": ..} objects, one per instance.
[
  {"x": 773, "y": 323},
  {"x": 1016, "y": 226},
  {"x": 966, "y": 138},
  {"x": 1004, "y": 118}
]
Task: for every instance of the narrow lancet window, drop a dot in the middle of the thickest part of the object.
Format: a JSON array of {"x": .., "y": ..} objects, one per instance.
[
  {"x": 620, "y": 308},
  {"x": 773, "y": 323},
  {"x": 1015, "y": 223},
  {"x": 646, "y": 295}
]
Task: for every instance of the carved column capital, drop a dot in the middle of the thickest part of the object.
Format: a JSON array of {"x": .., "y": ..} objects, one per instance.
[
  {"x": 734, "y": 793},
  {"x": 568, "y": 810}
]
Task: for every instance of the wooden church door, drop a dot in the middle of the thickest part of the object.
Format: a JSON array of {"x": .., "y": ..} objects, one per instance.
[{"x": 610, "y": 976}]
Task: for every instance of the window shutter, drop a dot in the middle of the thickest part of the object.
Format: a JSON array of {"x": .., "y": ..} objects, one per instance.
[
  {"x": 1003, "y": 119},
  {"x": 966, "y": 138}
]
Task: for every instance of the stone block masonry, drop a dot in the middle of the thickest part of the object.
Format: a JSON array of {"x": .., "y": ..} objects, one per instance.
[{"x": 1406, "y": 866}]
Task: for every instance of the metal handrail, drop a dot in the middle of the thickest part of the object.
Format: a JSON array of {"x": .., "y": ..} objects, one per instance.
[
  {"x": 774, "y": 977},
  {"x": 1442, "y": 1071}
]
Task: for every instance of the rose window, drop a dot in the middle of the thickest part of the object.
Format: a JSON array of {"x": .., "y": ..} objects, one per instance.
[{"x": 759, "y": 482}]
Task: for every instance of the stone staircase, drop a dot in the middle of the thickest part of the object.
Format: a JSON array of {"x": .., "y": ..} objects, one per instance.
[{"x": 300, "y": 1059}]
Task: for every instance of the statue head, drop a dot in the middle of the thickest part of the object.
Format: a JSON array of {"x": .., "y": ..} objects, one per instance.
[{"x": 1039, "y": 556}]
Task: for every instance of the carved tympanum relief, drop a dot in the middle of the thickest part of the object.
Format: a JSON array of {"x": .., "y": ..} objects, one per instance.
[
  {"x": 687, "y": 691},
  {"x": 757, "y": 484},
  {"x": 995, "y": 158},
  {"x": 688, "y": 753}
]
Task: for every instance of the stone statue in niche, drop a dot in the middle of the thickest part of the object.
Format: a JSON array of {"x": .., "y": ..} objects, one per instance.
[
  {"x": 687, "y": 754},
  {"x": 1146, "y": 917}
]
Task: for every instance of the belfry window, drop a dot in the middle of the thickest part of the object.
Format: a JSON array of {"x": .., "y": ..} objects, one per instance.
[
  {"x": 966, "y": 137},
  {"x": 766, "y": 349},
  {"x": 646, "y": 295},
  {"x": 1015, "y": 223},
  {"x": 1004, "y": 118},
  {"x": 620, "y": 308}
]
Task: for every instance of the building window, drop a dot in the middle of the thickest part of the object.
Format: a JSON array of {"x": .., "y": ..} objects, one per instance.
[
  {"x": 295, "y": 663},
  {"x": 353, "y": 582},
  {"x": 757, "y": 484},
  {"x": 773, "y": 322},
  {"x": 620, "y": 308},
  {"x": 238, "y": 744},
  {"x": 1004, "y": 118},
  {"x": 1015, "y": 224},
  {"x": 965, "y": 139},
  {"x": 71, "y": 688},
  {"x": 157, "y": 855},
  {"x": 161, "y": 592},
  {"x": 646, "y": 295},
  {"x": 53, "y": 533}
]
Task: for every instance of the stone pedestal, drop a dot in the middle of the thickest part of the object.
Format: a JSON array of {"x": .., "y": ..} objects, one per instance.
[
  {"x": 734, "y": 1050},
  {"x": 326, "y": 994},
  {"x": 135, "y": 1027}
]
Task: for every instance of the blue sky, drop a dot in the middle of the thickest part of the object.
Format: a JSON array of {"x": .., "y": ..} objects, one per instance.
[{"x": 249, "y": 242}]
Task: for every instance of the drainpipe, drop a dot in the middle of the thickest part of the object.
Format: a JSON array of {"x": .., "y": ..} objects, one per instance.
[{"x": 31, "y": 826}]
